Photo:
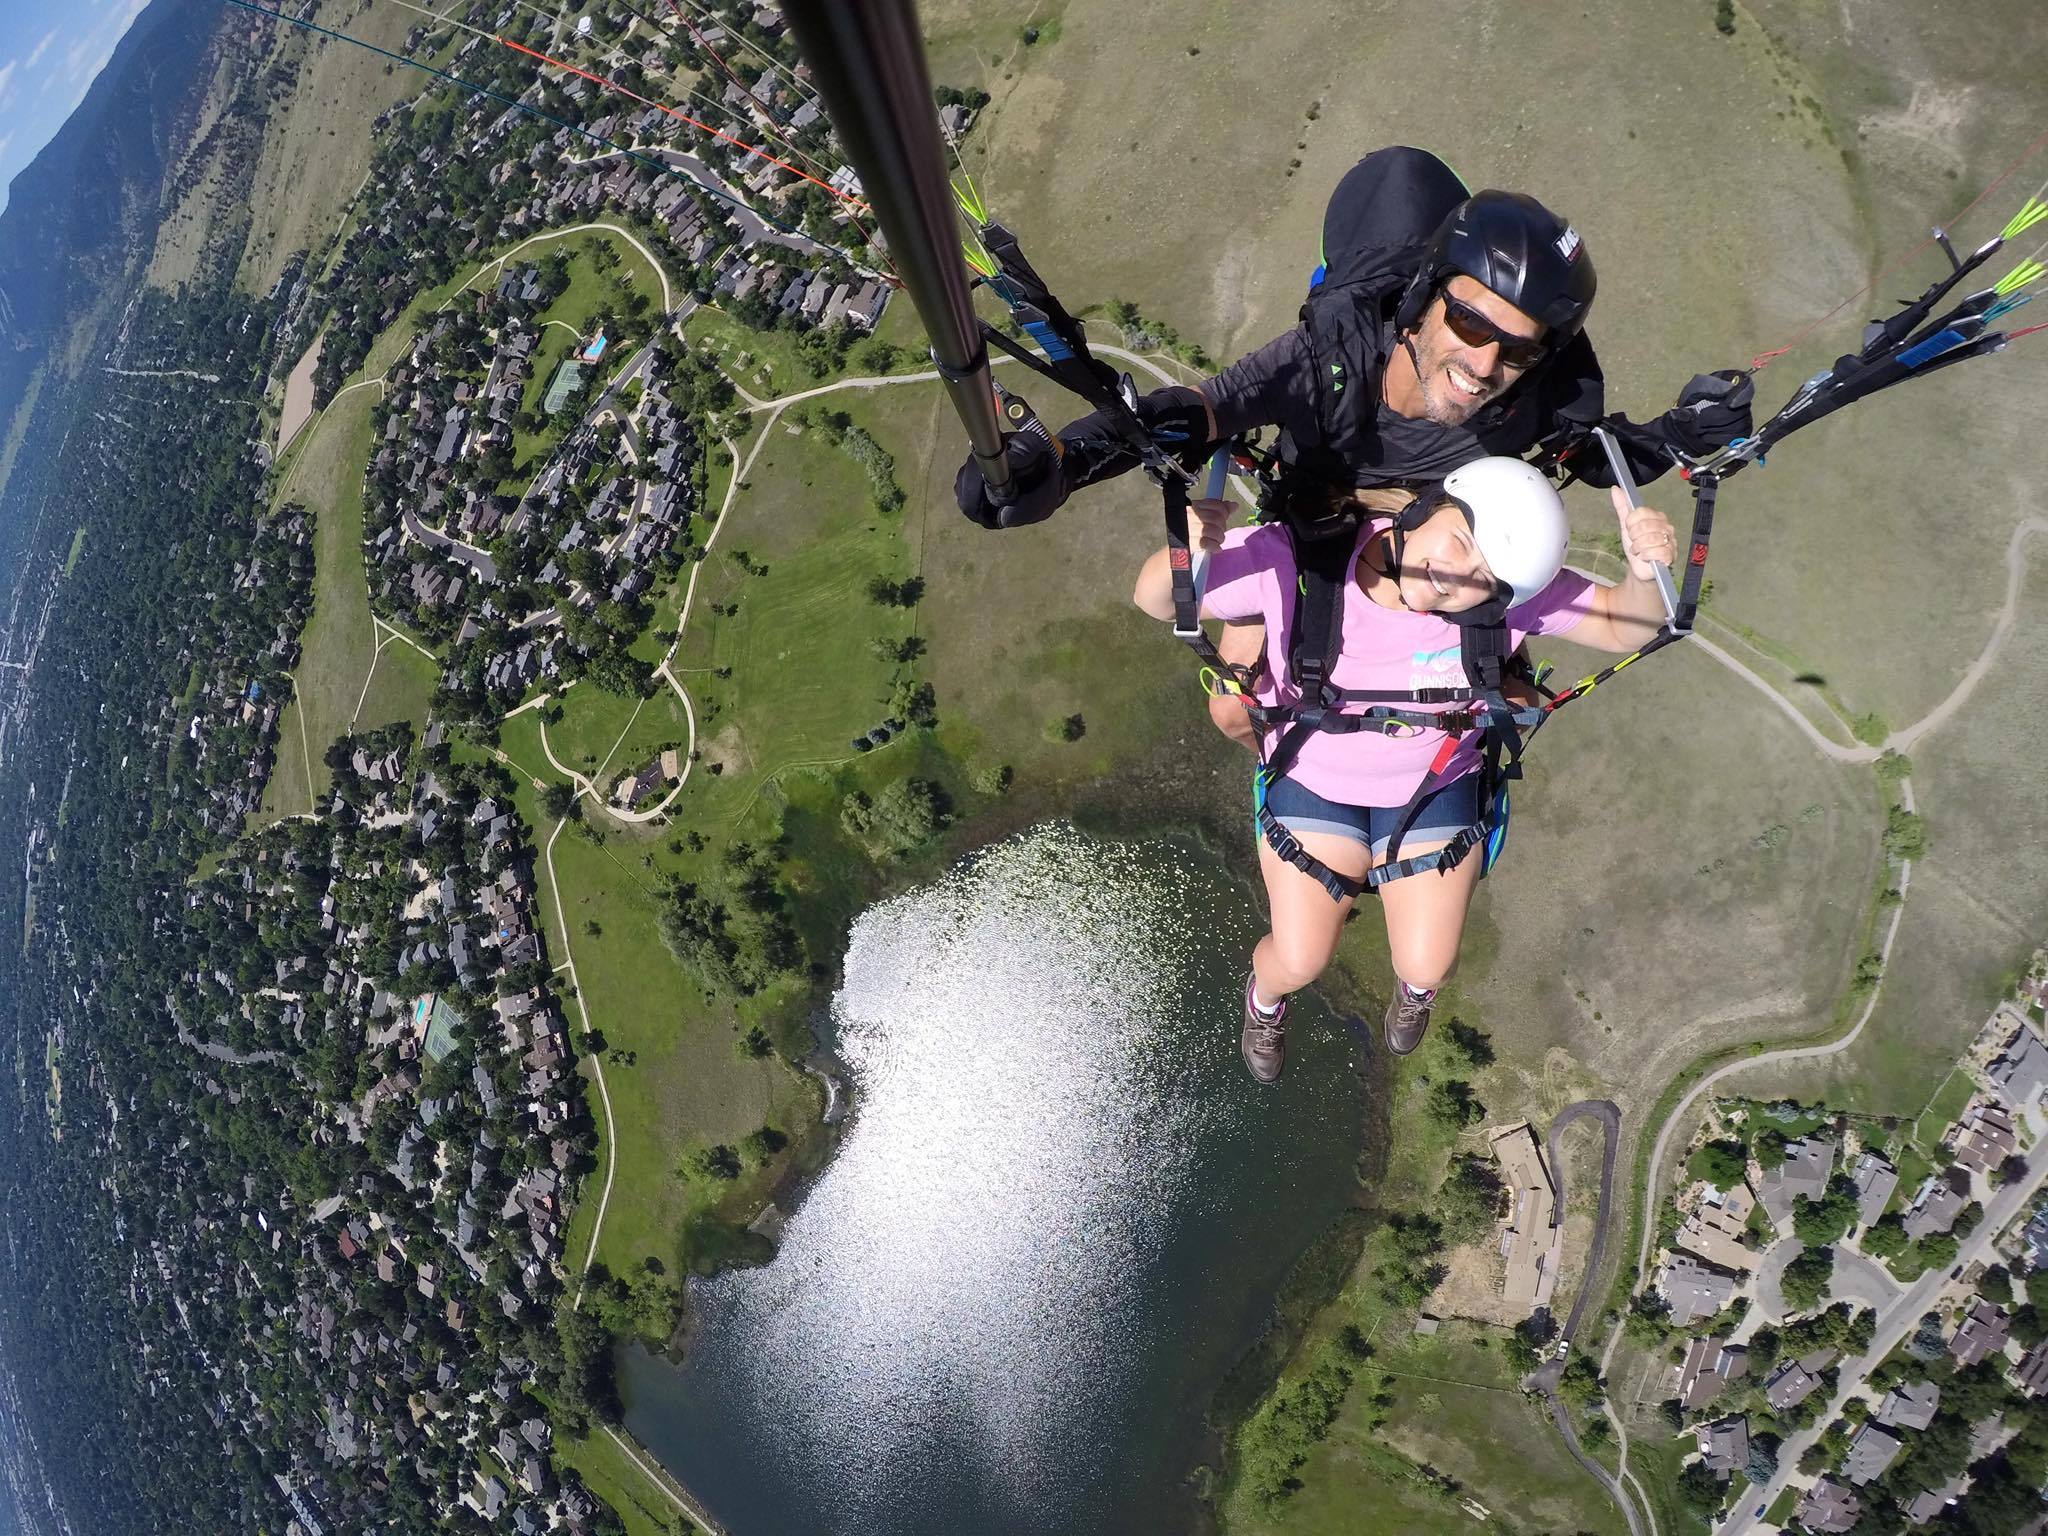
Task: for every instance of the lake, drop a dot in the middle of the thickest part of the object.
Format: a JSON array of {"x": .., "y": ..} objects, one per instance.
[{"x": 1060, "y": 1212}]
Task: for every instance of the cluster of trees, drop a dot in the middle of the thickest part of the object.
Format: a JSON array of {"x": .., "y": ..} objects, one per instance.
[
  {"x": 732, "y": 925},
  {"x": 838, "y": 429},
  {"x": 1141, "y": 333},
  {"x": 903, "y": 817},
  {"x": 1279, "y": 1437}
]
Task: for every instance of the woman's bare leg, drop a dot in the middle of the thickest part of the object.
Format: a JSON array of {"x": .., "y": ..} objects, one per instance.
[
  {"x": 1306, "y": 922},
  {"x": 1426, "y": 917}
]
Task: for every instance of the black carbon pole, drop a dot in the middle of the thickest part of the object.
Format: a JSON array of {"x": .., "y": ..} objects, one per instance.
[{"x": 867, "y": 61}]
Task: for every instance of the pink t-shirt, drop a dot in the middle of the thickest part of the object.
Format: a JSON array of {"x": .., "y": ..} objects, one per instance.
[{"x": 1253, "y": 576}]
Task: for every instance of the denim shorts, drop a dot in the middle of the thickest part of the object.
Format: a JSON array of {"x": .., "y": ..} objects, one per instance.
[{"x": 1441, "y": 816}]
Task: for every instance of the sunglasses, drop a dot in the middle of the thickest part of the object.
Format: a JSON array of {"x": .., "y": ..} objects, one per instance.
[{"x": 1475, "y": 330}]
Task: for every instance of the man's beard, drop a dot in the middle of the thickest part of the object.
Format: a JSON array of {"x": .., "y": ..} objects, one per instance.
[{"x": 1442, "y": 403}]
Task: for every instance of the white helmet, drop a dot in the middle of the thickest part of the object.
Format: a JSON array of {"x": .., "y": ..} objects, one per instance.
[{"x": 1518, "y": 521}]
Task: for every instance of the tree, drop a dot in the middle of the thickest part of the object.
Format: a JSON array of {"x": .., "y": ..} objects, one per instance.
[
  {"x": 1468, "y": 1200},
  {"x": 1451, "y": 1104},
  {"x": 1580, "y": 1383},
  {"x": 1887, "y": 1237},
  {"x": 714, "y": 1162},
  {"x": 1905, "y": 834},
  {"x": 1700, "y": 1490},
  {"x": 1817, "y": 1223},
  {"x": 1720, "y": 1163},
  {"x": 1805, "y": 1281},
  {"x": 1769, "y": 1149},
  {"x": 1472, "y": 1048},
  {"x": 1936, "y": 1250}
]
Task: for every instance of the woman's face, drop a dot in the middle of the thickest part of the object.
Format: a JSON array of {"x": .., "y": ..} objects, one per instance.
[{"x": 1442, "y": 570}]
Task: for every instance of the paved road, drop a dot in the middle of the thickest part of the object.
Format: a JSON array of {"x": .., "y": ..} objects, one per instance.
[
  {"x": 1547, "y": 1375},
  {"x": 476, "y": 559},
  {"x": 1609, "y": 1116},
  {"x": 1857, "y": 1278},
  {"x": 1894, "y": 1323}
]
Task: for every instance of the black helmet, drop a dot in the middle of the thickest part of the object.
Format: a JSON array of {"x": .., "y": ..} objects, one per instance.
[{"x": 1513, "y": 245}]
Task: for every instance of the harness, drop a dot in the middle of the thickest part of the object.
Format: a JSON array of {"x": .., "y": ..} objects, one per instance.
[{"x": 1478, "y": 713}]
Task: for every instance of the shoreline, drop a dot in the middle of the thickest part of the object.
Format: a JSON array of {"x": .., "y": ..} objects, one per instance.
[{"x": 1122, "y": 808}]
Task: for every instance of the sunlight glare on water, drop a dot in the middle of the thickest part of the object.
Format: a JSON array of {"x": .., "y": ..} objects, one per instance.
[
  {"x": 981, "y": 1313},
  {"x": 1020, "y": 1121}
]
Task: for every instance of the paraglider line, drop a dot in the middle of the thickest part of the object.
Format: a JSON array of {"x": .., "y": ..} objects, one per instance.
[
  {"x": 614, "y": 85},
  {"x": 1763, "y": 359}
]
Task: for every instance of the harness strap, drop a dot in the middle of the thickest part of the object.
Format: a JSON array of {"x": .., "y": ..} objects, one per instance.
[{"x": 1343, "y": 887}]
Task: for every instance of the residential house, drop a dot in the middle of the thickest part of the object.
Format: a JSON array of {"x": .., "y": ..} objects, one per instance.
[
  {"x": 1724, "y": 1446},
  {"x": 1983, "y": 1138},
  {"x": 1709, "y": 1365},
  {"x": 1714, "y": 1229},
  {"x": 1982, "y": 1333},
  {"x": 2020, "y": 1070},
  {"x": 1924, "y": 1506},
  {"x": 1910, "y": 1406},
  {"x": 2033, "y": 1371},
  {"x": 1695, "y": 1290},
  {"x": 1828, "y": 1507},
  {"x": 1790, "y": 1385},
  {"x": 1869, "y": 1454},
  {"x": 1875, "y": 1179},
  {"x": 1940, "y": 1201},
  {"x": 1803, "y": 1174}
]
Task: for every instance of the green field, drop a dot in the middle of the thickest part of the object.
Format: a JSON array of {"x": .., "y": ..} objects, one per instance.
[
  {"x": 316, "y": 155},
  {"x": 592, "y": 721},
  {"x": 607, "y": 1471},
  {"x": 1974, "y": 912},
  {"x": 1457, "y": 1409},
  {"x": 340, "y": 639},
  {"x": 401, "y": 687},
  {"x": 77, "y": 548}
]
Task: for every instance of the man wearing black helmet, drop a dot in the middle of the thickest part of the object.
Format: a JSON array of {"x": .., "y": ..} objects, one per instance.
[{"x": 1443, "y": 327}]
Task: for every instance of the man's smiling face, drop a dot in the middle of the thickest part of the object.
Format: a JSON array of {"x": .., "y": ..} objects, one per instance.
[{"x": 1457, "y": 376}]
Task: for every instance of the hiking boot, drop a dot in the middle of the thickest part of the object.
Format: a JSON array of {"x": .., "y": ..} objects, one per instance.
[
  {"x": 1264, "y": 1039},
  {"x": 1407, "y": 1018}
]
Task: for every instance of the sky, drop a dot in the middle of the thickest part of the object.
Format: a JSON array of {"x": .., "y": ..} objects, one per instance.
[{"x": 49, "y": 52}]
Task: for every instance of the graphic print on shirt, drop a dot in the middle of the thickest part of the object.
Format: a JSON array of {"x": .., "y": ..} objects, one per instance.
[{"x": 1437, "y": 669}]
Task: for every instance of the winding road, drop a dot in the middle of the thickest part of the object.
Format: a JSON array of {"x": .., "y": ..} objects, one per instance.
[{"x": 1546, "y": 1376}]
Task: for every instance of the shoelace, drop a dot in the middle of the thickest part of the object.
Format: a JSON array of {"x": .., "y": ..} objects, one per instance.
[
  {"x": 1269, "y": 1031},
  {"x": 1413, "y": 1010}
]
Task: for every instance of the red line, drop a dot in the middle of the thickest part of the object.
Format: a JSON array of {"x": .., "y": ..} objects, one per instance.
[
  {"x": 2016, "y": 335},
  {"x": 768, "y": 116},
  {"x": 683, "y": 116},
  {"x": 1763, "y": 358}
]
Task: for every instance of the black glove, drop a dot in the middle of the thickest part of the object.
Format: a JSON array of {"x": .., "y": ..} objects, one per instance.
[
  {"x": 1034, "y": 492},
  {"x": 1712, "y": 412},
  {"x": 1044, "y": 473}
]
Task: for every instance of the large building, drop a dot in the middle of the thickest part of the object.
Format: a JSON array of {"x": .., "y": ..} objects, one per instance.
[
  {"x": 1529, "y": 1243},
  {"x": 1714, "y": 1229}
]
